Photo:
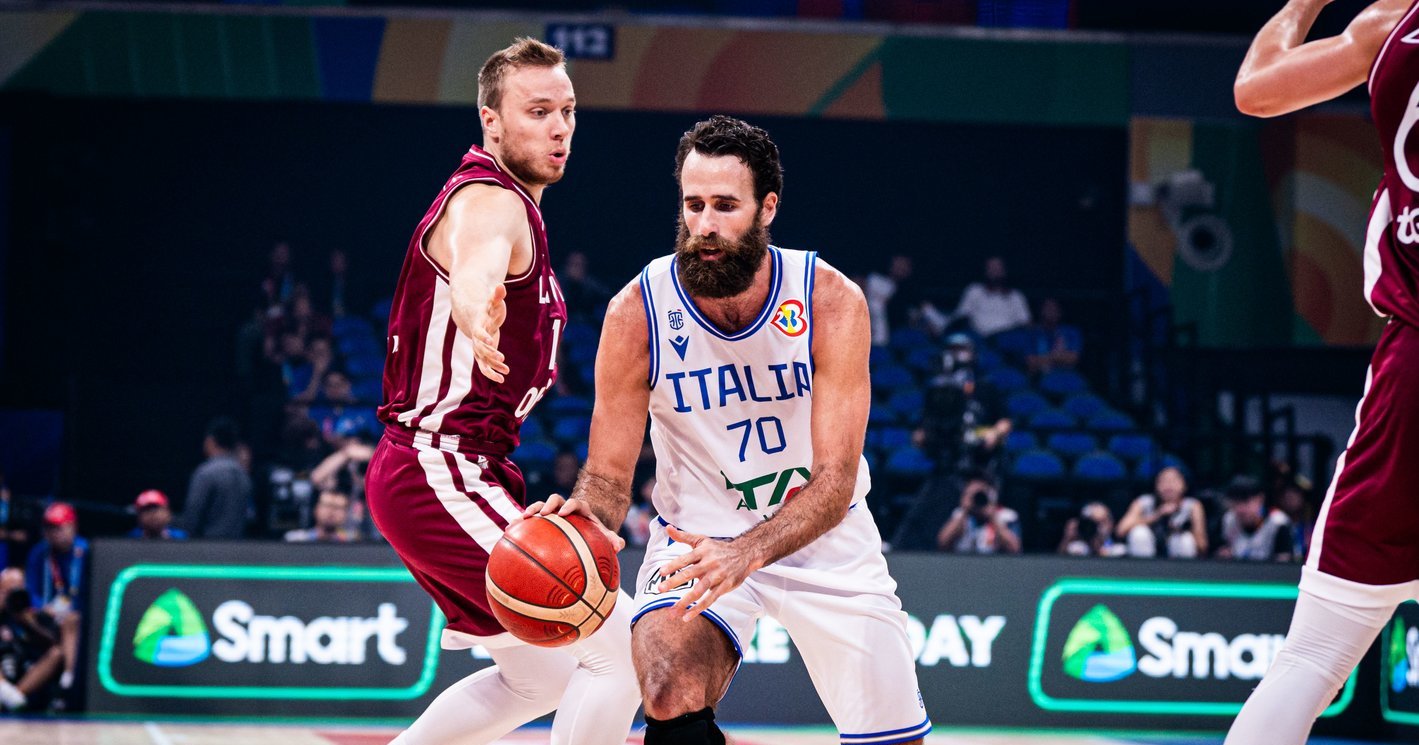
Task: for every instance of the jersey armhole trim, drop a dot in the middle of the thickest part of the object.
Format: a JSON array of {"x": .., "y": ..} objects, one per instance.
[
  {"x": 1370, "y": 80},
  {"x": 651, "y": 330},
  {"x": 809, "y": 274},
  {"x": 438, "y": 215}
]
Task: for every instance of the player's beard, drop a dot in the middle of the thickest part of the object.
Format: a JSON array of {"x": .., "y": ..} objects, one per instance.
[
  {"x": 531, "y": 168},
  {"x": 730, "y": 274}
]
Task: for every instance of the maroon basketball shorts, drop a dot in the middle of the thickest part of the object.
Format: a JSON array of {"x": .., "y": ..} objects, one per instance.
[
  {"x": 443, "y": 511},
  {"x": 1366, "y": 545}
]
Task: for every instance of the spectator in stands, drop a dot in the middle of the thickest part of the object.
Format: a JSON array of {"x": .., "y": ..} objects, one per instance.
[
  {"x": 993, "y": 306},
  {"x": 1294, "y": 501},
  {"x": 1053, "y": 345},
  {"x": 319, "y": 362},
  {"x": 980, "y": 525},
  {"x": 1091, "y": 534},
  {"x": 332, "y": 517},
  {"x": 586, "y": 296},
  {"x": 635, "y": 529},
  {"x": 1167, "y": 518},
  {"x": 13, "y": 535},
  {"x": 57, "y": 579},
  {"x": 31, "y": 658},
  {"x": 564, "y": 471},
  {"x": 280, "y": 282},
  {"x": 155, "y": 518},
  {"x": 895, "y": 300},
  {"x": 1248, "y": 532},
  {"x": 303, "y": 319},
  {"x": 219, "y": 494}
]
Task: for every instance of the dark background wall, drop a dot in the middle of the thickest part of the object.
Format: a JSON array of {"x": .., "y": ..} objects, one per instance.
[{"x": 142, "y": 228}]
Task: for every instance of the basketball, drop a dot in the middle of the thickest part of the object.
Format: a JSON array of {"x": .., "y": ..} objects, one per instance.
[{"x": 553, "y": 580}]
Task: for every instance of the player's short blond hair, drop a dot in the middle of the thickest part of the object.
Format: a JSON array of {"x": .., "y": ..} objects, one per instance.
[{"x": 522, "y": 52}]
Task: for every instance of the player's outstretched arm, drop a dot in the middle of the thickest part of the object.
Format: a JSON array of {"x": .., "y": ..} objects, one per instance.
[
  {"x": 1283, "y": 72},
  {"x": 603, "y": 488},
  {"x": 842, "y": 395},
  {"x": 478, "y": 239}
]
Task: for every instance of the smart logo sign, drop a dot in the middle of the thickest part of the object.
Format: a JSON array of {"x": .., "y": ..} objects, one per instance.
[
  {"x": 1152, "y": 647},
  {"x": 278, "y": 632},
  {"x": 1399, "y": 667}
]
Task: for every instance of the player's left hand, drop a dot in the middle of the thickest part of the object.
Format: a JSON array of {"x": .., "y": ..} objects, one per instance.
[{"x": 719, "y": 567}]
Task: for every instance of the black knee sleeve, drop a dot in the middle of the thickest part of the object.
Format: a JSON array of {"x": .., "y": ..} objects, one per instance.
[{"x": 695, "y": 728}]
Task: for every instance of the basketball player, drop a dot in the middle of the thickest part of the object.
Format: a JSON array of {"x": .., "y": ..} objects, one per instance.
[
  {"x": 1364, "y": 557},
  {"x": 752, "y": 362},
  {"x": 472, "y": 345}
]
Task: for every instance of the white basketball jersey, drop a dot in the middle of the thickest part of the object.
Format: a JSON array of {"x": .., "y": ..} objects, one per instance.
[{"x": 730, "y": 414}]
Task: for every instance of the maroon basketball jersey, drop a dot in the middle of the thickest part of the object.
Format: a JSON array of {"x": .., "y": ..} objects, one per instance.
[
  {"x": 1392, "y": 238},
  {"x": 431, "y": 381}
]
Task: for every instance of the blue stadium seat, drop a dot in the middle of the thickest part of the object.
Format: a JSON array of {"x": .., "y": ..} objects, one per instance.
[
  {"x": 1007, "y": 379},
  {"x": 357, "y": 421},
  {"x": 890, "y": 376},
  {"x": 571, "y": 429},
  {"x": 581, "y": 450},
  {"x": 1019, "y": 441},
  {"x": 578, "y": 333},
  {"x": 894, "y": 438},
  {"x": 1053, "y": 419},
  {"x": 1149, "y": 467},
  {"x": 1084, "y": 405},
  {"x": 1100, "y": 466},
  {"x": 351, "y": 326},
  {"x": 1109, "y": 420},
  {"x": 1063, "y": 383},
  {"x": 987, "y": 360},
  {"x": 532, "y": 429},
  {"x": 365, "y": 365},
  {"x": 300, "y": 379},
  {"x": 568, "y": 405},
  {"x": 535, "y": 455},
  {"x": 907, "y": 403},
  {"x": 581, "y": 354},
  {"x": 879, "y": 355},
  {"x": 368, "y": 390},
  {"x": 1025, "y": 404},
  {"x": 925, "y": 360},
  {"x": 904, "y": 340},
  {"x": 1133, "y": 448},
  {"x": 880, "y": 414},
  {"x": 1072, "y": 444},
  {"x": 359, "y": 344},
  {"x": 1037, "y": 464},
  {"x": 380, "y": 310},
  {"x": 1016, "y": 342},
  {"x": 908, "y": 462}
]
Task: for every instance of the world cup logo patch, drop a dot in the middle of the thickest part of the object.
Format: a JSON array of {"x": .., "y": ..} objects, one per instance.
[{"x": 791, "y": 318}]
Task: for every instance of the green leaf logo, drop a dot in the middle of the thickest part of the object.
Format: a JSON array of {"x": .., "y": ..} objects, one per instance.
[
  {"x": 172, "y": 633},
  {"x": 1398, "y": 658},
  {"x": 1099, "y": 649}
]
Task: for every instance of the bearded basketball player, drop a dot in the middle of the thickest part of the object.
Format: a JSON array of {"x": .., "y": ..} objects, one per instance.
[
  {"x": 752, "y": 363},
  {"x": 473, "y": 335},
  {"x": 1364, "y": 558}
]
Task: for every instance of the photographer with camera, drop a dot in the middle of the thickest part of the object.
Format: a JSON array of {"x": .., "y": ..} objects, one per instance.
[
  {"x": 980, "y": 525},
  {"x": 1091, "y": 534},
  {"x": 30, "y": 655},
  {"x": 1167, "y": 518}
]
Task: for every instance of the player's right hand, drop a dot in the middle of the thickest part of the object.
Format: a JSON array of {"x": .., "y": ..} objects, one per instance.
[
  {"x": 556, "y": 504},
  {"x": 485, "y": 344}
]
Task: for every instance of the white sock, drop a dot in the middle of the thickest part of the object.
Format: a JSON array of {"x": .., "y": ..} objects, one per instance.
[
  {"x": 1326, "y": 641},
  {"x": 602, "y": 697},
  {"x": 525, "y": 684}
]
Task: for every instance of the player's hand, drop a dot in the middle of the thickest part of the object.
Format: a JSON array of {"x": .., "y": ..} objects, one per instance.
[
  {"x": 718, "y": 565},
  {"x": 491, "y": 362},
  {"x": 555, "y": 504}
]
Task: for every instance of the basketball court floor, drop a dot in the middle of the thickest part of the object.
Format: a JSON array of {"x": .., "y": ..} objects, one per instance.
[{"x": 132, "y": 732}]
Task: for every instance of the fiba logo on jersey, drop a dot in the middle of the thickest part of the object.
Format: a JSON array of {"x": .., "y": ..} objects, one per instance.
[{"x": 791, "y": 318}]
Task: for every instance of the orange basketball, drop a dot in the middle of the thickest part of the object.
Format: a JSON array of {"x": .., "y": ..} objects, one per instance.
[{"x": 553, "y": 580}]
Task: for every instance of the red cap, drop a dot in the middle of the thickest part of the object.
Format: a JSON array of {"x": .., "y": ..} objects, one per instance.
[
  {"x": 60, "y": 513},
  {"x": 150, "y": 498}
]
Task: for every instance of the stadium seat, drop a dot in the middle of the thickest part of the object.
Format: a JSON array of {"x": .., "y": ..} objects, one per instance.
[
  {"x": 581, "y": 450},
  {"x": 359, "y": 344},
  {"x": 380, "y": 310},
  {"x": 351, "y": 326},
  {"x": 891, "y": 376},
  {"x": 879, "y": 355},
  {"x": 1109, "y": 420},
  {"x": 581, "y": 355},
  {"x": 1072, "y": 444},
  {"x": 579, "y": 334},
  {"x": 1019, "y": 441},
  {"x": 1037, "y": 464},
  {"x": 1025, "y": 404},
  {"x": 1017, "y": 342},
  {"x": 907, "y": 403},
  {"x": 894, "y": 438},
  {"x": 568, "y": 405},
  {"x": 1100, "y": 466},
  {"x": 357, "y": 421},
  {"x": 880, "y": 414},
  {"x": 1053, "y": 419},
  {"x": 1134, "y": 448},
  {"x": 904, "y": 340},
  {"x": 535, "y": 455},
  {"x": 908, "y": 462},
  {"x": 987, "y": 360},
  {"x": 1084, "y": 405},
  {"x": 571, "y": 429},
  {"x": 532, "y": 429},
  {"x": 1063, "y": 383},
  {"x": 368, "y": 390},
  {"x": 1150, "y": 466},
  {"x": 925, "y": 360},
  {"x": 365, "y": 365},
  {"x": 1007, "y": 379},
  {"x": 300, "y": 380}
]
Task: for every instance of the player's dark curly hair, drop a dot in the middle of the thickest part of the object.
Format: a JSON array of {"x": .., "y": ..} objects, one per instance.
[{"x": 725, "y": 135}]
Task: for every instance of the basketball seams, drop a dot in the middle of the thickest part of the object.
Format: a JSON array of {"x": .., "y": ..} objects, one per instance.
[
  {"x": 584, "y": 553},
  {"x": 580, "y": 597}
]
